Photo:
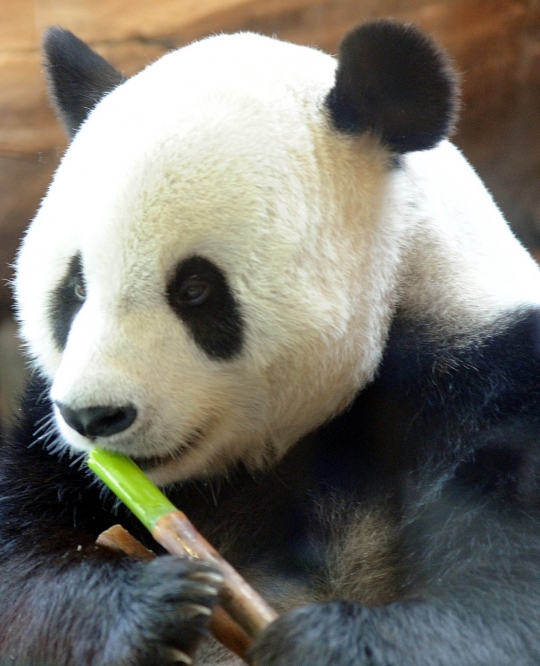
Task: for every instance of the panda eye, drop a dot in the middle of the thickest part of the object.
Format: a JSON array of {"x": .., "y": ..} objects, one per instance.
[
  {"x": 66, "y": 300},
  {"x": 195, "y": 290},
  {"x": 80, "y": 291},
  {"x": 199, "y": 294}
]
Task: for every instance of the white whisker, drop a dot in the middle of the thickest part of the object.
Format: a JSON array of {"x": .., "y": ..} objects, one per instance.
[{"x": 44, "y": 425}]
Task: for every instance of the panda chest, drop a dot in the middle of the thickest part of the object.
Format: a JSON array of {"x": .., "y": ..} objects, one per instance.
[
  {"x": 297, "y": 548},
  {"x": 354, "y": 555}
]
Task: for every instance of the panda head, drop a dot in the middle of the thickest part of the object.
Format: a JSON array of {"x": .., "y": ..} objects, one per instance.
[{"x": 213, "y": 270}]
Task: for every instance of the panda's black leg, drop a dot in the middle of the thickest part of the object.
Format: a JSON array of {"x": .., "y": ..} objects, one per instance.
[{"x": 419, "y": 634}]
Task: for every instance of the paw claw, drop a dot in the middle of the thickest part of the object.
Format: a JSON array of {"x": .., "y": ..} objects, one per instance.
[
  {"x": 179, "y": 656},
  {"x": 203, "y": 589},
  {"x": 211, "y": 577},
  {"x": 196, "y": 609}
]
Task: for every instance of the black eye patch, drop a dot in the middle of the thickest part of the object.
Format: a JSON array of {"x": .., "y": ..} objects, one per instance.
[
  {"x": 66, "y": 301},
  {"x": 201, "y": 297}
]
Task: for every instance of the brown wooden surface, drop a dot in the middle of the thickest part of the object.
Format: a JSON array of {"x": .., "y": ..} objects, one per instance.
[{"x": 495, "y": 43}]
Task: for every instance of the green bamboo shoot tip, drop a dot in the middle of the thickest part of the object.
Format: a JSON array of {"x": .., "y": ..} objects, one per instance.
[{"x": 130, "y": 485}]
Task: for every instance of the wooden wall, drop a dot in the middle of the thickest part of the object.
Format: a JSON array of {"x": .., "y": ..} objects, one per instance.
[{"x": 496, "y": 44}]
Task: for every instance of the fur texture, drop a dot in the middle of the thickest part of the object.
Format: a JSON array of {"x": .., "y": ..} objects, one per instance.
[
  {"x": 78, "y": 77},
  {"x": 333, "y": 363},
  {"x": 393, "y": 80}
]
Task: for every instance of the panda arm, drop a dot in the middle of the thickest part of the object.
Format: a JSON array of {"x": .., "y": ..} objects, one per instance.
[
  {"x": 476, "y": 579},
  {"x": 66, "y": 601}
]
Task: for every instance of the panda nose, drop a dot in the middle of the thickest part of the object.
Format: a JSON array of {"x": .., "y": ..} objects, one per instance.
[{"x": 98, "y": 421}]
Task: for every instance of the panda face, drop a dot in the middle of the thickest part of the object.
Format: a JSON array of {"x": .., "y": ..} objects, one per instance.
[
  {"x": 182, "y": 271},
  {"x": 212, "y": 272}
]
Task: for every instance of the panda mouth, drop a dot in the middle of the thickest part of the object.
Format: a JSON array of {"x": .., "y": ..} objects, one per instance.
[{"x": 149, "y": 463}]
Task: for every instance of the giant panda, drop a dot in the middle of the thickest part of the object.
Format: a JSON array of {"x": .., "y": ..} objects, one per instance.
[{"x": 267, "y": 276}]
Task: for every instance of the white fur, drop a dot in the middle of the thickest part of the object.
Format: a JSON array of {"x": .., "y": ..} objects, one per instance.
[{"x": 222, "y": 149}]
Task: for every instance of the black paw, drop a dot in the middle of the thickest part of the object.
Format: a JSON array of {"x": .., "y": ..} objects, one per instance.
[
  {"x": 168, "y": 602},
  {"x": 331, "y": 634}
]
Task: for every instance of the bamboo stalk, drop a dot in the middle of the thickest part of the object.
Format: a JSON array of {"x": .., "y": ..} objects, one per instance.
[
  {"x": 173, "y": 530},
  {"x": 118, "y": 538},
  {"x": 176, "y": 534}
]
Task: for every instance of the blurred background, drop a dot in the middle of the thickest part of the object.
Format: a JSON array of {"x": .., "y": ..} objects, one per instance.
[{"x": 495, "y": 43}]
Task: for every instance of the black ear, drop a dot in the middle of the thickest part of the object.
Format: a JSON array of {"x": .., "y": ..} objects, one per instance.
[
  {"x": 394, "y": 80},
  {"x": 78, "y": 77}
]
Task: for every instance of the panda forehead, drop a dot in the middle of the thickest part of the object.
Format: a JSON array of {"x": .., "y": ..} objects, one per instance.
[
  {"x": 202, "y": 161},
  {"x": 168, "y": 207},
  {"x": 215, "y": 150},
  {"x": 190, "y": 200},
  {"x": 234, "y": 101},
  {"x": 263, "y": 66},
  {"x": 244, "y": 80},
  {"x": 232, "y": 223}
]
